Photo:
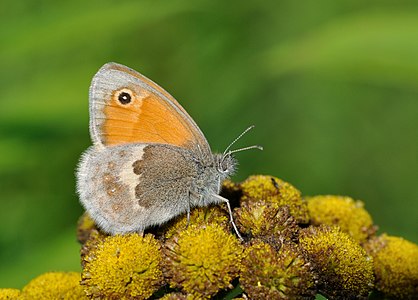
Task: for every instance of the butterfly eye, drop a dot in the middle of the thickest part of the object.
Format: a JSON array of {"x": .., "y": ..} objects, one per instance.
[
  {"x": 224, "y": 166},
  {"x": 124, "y": 98}
]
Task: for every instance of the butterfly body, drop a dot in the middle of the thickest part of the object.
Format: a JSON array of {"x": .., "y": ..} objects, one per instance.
[{"x": 149, "y": 161}]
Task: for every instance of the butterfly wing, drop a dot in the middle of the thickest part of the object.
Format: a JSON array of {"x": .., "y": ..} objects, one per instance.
[{"x": 126, "y": 107}]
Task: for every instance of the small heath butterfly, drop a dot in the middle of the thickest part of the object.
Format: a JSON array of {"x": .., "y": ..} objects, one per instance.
[{"x": 149, "y": 161}]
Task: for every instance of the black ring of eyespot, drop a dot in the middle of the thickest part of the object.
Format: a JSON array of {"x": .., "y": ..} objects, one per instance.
[{"x": 125, "y": 98}]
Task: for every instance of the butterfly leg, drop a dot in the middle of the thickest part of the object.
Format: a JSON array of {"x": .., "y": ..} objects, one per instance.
[
  {"x": 231, "y": 218},
  {"x": 191, "y": 194},
  {"x": 188, "y": 215}
]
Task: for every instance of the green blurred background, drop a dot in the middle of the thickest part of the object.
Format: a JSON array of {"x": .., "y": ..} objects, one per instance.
[{"x": 332, "y": 87}]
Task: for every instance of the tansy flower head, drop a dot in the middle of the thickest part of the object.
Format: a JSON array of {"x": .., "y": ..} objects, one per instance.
[
  {"x": 266, "y": 220},
  {"x": 123, "y": 267},
  {"x": 270, "y": 274},
  {"x": 343, "y": 266},
  {"x": 175, "y": 296},
  {"x": 95, "y": 237},
  {"x": 199, "y": 216},
  {"x": 9, "y": 294},
  {"x": 343, "y": 212},
  {"x": 396, "y": 266},
  {"x": 202, "y": 260},
  {"x": 85, "y": 225},
  {"x": 54, "y": 285},
  {"x": 274, "y": 190}
]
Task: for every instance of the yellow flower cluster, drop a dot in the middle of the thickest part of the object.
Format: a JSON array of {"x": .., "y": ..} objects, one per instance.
[
  {"x": 123, "y": 267},
  {"x": 345, "y": 268},
  {"x": 293, "y": 248},
  {"x": 274, "y": 191},
  {"x": 396, "y": 266},
  {"x": 199, "y": 216},
  {"x": 202, "y": 260},
  {"x": 51, "y": 285},
  {"x": 267, "y": 273},
  {"x": 343, "y": 212},
  {"x": 9, "y": 294}
]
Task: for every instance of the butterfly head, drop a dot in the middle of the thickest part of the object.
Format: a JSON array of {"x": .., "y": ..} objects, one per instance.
[{"x": 225, "y": 164}]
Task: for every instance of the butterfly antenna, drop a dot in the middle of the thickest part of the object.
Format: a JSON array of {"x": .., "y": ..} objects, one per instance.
[
  {"x": 244, "y": 149},
  {"x": 234, "y": 141}
]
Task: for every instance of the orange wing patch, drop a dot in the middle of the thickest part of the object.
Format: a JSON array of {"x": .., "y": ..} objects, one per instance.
[
  {"x": 145, "y": 119},
  {"x": 150, "y": 83}
]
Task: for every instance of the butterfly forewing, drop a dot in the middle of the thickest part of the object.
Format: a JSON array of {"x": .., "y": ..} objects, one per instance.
[{"x": 126, "y": 107}]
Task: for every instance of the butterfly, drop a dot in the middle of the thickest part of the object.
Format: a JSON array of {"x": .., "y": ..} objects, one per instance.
[{"x": 149, "y": 161}]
